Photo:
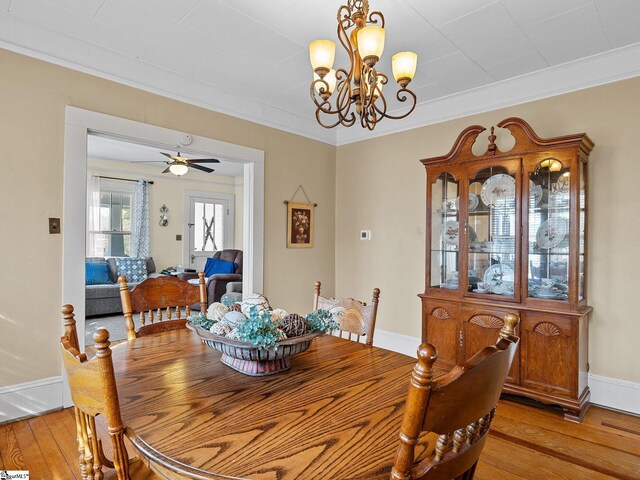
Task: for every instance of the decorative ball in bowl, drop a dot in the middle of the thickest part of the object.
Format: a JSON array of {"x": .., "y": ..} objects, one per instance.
[
  {"x": 247, "y": 358},
  {"x": 258, "y": 341}
]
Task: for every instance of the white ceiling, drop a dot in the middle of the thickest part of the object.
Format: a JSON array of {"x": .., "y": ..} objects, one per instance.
[
  {"x": 131, "y": 153},
  {"x": 249, "y": 57}
]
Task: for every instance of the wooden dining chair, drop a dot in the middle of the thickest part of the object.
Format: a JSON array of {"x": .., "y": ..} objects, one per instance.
[
  {"x": 159, "y": 301},
  {"x": 446, "y": 421},
  {"x": 355, "y": 318},
  {"x": 93, "y": 390}
]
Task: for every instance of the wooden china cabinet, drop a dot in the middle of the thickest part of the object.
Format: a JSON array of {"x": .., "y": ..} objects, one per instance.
[{"x": 507, "y": 233}]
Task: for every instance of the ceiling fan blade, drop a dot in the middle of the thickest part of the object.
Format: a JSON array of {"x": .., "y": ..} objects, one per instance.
[
  {"x": 203, "y": 160},
  {"x": 200, "y": 167},
  {"x": 167, "y": 170},
  {"x": 168, "y": 155},
  {"x": 148, "y": 161}
]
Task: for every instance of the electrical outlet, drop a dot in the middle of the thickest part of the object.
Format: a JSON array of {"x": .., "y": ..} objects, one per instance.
[
  {"x": 365, "y": 234},
  {"x": 54, "y": 225},
  {"x": 178, "y": 238}
]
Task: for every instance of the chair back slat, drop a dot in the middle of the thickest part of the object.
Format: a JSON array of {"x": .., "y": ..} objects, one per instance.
[
  {"x": 163, "y": 292},
  {"x": 457, "y": 408},
  {"x": 353, "y": 316},
  {"x": 159, "y": 302},
  {"x": 83, "y": 375}
]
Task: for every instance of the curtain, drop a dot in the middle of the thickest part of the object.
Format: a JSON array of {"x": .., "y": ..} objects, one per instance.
[
  {"x": 140, "y": 231},
  {"x": 93, "y": 213}
]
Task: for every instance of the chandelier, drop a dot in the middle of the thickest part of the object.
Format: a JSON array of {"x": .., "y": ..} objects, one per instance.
[{"x": 357, "y": 90}]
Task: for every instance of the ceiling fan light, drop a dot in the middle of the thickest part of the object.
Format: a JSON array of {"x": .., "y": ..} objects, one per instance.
[
  {"x": 178, "y": 169},
  {"x": 322, "y": 54},
  {"x": 371, "y": 44},
  {"x": 404, "y": 65}
]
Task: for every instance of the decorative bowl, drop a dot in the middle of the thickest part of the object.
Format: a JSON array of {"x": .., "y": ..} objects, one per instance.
[{"x": 248, "y": 359}]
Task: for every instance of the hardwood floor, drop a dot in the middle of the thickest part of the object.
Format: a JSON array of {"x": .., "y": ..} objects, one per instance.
[{"x": 525, "y": 443}]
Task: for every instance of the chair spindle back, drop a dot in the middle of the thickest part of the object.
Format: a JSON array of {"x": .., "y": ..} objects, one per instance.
[{"x": 159, "y": 302}]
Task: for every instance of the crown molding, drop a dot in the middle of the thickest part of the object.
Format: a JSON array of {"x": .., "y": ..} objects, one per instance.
[
  {"x": 588, "y": 72},
  {"x": 47, "y": 45},
  {"x": 53, "y": 47}
]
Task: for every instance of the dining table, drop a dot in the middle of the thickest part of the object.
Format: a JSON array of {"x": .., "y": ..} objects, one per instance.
[{"x": 335, "y": 414}]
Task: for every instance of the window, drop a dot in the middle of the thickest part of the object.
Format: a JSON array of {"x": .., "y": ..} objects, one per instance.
[{"x": 110, "y": 224}]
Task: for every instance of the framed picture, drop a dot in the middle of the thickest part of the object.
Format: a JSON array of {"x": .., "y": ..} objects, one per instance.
[{"x": 299, "y": 225}]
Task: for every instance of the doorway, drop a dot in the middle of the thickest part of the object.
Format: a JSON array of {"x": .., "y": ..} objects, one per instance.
[{"x": 79, "y": 124}]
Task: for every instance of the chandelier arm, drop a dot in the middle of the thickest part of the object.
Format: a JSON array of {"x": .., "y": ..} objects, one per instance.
[
  {"x": 349, "y": 120},
  {"x": 344, "y": 17},
  {"x": 374, "y": 21},
  {"x": 401, "y": 97},
  {"x": 319, "y": 120},
  {"x": 374, "y": 110},
  {"x": 314, "y": 93},
  {"x": 342, "y": 96}
]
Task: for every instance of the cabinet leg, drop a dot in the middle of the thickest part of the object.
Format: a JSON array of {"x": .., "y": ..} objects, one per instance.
[{"x": 576, "y": 415}]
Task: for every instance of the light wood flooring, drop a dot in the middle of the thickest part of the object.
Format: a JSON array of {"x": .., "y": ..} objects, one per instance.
[{"x": 525, "y": 443}]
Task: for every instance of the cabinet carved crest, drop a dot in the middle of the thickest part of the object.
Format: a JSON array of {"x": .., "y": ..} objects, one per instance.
[
  {"x": 487, "y": 321},
  {"x": 440, "y": 313},
  {"x": 547, "y": 329}
]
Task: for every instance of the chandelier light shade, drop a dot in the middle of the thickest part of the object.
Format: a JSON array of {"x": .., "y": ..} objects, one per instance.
[
  {"x": 404, "y": 65},
  {"x": 178, "y": 169},
  {"x": 322, "y": 54},
  {"x": 346, "y": 95},
  {"x": 370, "y": 44},
  {"x": 326, "y": 88}
]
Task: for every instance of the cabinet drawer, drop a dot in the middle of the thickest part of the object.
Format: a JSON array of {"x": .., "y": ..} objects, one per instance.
[
  {"x": 549, "y": 353},
  {"x": 441, "y": 328},
  {"x": 481, "y": 328}
]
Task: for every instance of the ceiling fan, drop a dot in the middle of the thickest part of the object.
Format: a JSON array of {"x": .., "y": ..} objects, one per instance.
[{"x": 179, "y": 165}]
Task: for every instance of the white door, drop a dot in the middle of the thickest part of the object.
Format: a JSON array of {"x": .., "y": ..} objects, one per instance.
[{"x": 210, "y": 228}]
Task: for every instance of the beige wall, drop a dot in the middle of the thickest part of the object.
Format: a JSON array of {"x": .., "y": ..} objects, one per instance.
[
  {"x": 33, "y": 96},
  {"x": 377, "y": 185},
  {"x": 169, "y": 190},
  {"x": 381, "y": 186}
]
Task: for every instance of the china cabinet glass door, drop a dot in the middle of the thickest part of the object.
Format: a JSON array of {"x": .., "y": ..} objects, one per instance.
[
  {"x": 491, "y": 232},
  {"x": 548, "y": 242},
  {"x": 445, "y": 230}
]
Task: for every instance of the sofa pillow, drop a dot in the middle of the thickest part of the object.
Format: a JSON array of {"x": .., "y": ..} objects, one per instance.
[
  {"x": 215, "y": 266},
  {"x": 96, "y": 273},
  {"x": 135, "y": 269}
]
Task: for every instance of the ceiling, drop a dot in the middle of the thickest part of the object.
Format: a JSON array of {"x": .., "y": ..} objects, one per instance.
[
  {"x": 249, "y": 58},
  {"x": 131, "y": 153}
]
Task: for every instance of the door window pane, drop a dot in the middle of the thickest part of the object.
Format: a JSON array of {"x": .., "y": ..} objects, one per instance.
[{"x": 208, "y": 227}]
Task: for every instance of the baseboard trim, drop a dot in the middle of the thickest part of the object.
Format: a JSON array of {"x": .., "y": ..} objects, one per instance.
[
  {"x": 397, "y": 342},
  {"x": 605, "y": 391},
  {"x": 30, "y": 398},
  {"x": 613, "y": 393}
]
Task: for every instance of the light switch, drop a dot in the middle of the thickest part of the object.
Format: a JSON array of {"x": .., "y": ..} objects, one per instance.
[
  {"x": 365, "y": 234},
  {"x": 54, "y": 225}
]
